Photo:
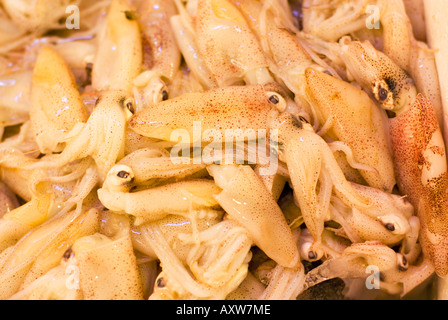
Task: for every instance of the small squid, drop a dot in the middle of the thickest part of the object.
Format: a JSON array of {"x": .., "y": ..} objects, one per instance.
[
  {"x": 413, "y": 56},
  {"x": 147, "y": 167},
  {"x": 229, "y": 50},
  {"x": 101, "y": 137},
  {"x": 354, "y": 119},
  {"x": 247, "y": 201},
  {"x": 155, "y": 203},
  {"x": 214, "y": 111},
  {"x": 56, "y": 106},
  {"x": 314, "y": 173},
  {"x": 417, "y": 141},
  {"x": 389, "y": 219},
  {"x": 161, "y": 56},
  {"x": 311, "y": 163},
  {"x": 42, "y": 248},
  {"x": 287, "y": 58},
  {"x": 377, "y": 264},
  {"x": 119, "y": 56},
  {"x": 388, "y": 27}
]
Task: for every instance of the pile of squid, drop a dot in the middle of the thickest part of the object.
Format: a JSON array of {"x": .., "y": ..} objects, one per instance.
[{"x": 104, "y": 197}]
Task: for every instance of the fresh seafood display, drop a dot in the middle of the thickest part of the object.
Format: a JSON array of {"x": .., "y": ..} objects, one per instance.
[{"x": 223, "y": 150}]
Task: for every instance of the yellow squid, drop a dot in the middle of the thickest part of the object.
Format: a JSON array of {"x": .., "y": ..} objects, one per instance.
[
  {"x": 161, "y": 56},
  {"x": 272, "y": 24},
  {"x": 235, "y": 107},
  {"x": 102, "y": 136},
  {"x": 325, "y": 100},
  {"x": 118, "y": 59},
  {"x": 417, "y": 141},
  {"x": 353, "y": 118},
  {"x": 229, "y": 51},
  {"x": 378, "y": 265},
  {"x": 311, "y": 163},
  {"x": 56, "y": 105},
  {"x": 410, "y": 54}
]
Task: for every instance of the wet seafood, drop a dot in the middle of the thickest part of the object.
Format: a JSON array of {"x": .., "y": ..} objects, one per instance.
[
  {"x": 415, "y": 132},
  {"x": 222, "y": 149},
  {"x": 161, "y": 56},
  {"x": 56, "y": 105},
  {"x": 229, "y": 50}
]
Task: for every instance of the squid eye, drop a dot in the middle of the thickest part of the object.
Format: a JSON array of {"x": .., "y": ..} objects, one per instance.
[
  {"x": 402, "y": 262},
  {"x": 274, "y": 99},
  {"x": 67, "y": 254},
  {"x": 131, "y": 15},
  {"x": 390, "y": 227},
  {"x": 129, "y": 104},
  {"x": 303, "y": 119},
  {"x": 277, "y": 100},
  {"x": 297, "y": 122},
  {"x": 164, "y": 95},
  {"x": 119, "y": 178},
  {"x": 161, "y": 283},
  {"x": 383, "y": 94},
  {"x": 123, "y": 174}
]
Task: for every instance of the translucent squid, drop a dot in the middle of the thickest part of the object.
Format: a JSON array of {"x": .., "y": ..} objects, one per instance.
[
  {"x": 353, "y": 118},
  {"x": 37, "y": 16},
  {"x": 119, "y": 56},
  {"x": 314, "y": 173},
  {"x": 56, "y": 105},
  {"x": 387, "y": 26},
  {"x": 161, "y": 56},
  {"x": 98, "y": 278},
  {"x": 101, "y": 137},
  {"x": 379, "y": 267},
  {"x": 417, "y": 142},
  {"x": 309, "y": 159},
  {"x": 229, "y": 51},
  {"x": 247, "y": 201},
  {"x": 42, "y": 248},
  {"x": 173, "y": 198},
  {"x": 216, "y": 263},
  {"x": 216, "y": 110}
]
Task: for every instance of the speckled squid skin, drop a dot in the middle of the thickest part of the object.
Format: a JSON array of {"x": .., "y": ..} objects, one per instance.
[
  {"x": 311, "y": 161},
  {"x": 419, "y": 147},
  {"x": 228, "y": 46},
  {"x": 119, "y": 58},
  {"x": 417, "y": 143},
  {"x": 357, "y": 122},
  {"x": 56, "y": 105},
  {"x": 248, "y": 202},
  {"x": 160, "y": 51},
  {"x": 235, "y": 107},
  {"x": 279, "y": 43},
  {"x": 414, "y": 56}
]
